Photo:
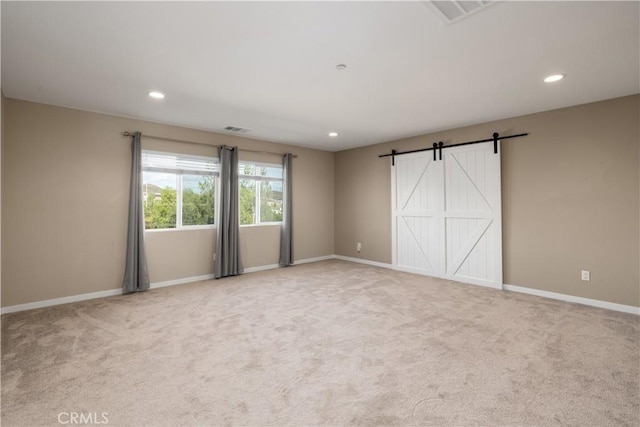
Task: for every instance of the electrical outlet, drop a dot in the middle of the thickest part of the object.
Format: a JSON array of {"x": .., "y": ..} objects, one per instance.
[
  {"x": 585, "y": 275},
  {"x": 358, "y": 247}
]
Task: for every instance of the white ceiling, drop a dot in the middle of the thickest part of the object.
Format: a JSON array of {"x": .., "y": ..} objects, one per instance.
[{"x": 271, "y": 66}]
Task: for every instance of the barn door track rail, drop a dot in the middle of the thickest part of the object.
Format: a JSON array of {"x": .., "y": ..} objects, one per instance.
[{"x": 438, "y": 146}]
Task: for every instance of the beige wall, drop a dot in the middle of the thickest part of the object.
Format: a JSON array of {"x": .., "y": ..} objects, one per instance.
[
  {"x": 570, "y": 194},
  {"x": 1, "y": 138},
  {"x": 65, "y": 177},
  {"x": 1, "y": 150}
]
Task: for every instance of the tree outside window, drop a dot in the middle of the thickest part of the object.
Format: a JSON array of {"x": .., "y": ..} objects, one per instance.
[
  {"x": 175, "y": 194},
  {"x": 260, "y": 193}
]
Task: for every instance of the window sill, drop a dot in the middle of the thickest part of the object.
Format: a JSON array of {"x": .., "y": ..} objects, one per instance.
[
  {"x": 191, "y": 228},
  {"x": 264, "y": 224}
]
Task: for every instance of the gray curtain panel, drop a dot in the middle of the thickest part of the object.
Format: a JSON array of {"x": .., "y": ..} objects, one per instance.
[
  {"x": 286, "y": 231},
  {"x": 136, "y": 272},
  {"x": 228, "y": 262}
]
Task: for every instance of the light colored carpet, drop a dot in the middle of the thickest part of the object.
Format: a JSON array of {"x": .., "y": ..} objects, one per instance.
[{"x": 330, "y": 343}]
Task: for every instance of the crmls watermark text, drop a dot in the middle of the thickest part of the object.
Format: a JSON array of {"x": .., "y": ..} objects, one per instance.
[{"x": 77, "y": 418}]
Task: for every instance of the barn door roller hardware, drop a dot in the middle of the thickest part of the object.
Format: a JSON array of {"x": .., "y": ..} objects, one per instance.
[{"x": 438, "y": 146}]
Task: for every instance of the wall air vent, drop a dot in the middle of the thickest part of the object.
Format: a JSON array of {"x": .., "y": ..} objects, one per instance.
[
  {"x": 236, "y": 129},
  {"x": 455, "y": 10}
]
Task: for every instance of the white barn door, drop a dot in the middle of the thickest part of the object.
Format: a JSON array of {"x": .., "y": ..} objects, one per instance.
[
  {"x": 417, "y": 215},
  {"x": 472, "y": 215},
  {"x": 447, "y": 214}
]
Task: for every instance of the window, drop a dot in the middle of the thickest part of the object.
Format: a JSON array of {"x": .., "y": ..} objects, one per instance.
[
  {"x": 260, "y": 193},
  {"x": 178, "y": 190}
]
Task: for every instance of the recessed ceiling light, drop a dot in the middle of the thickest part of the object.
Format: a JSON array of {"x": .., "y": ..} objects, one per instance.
[
  {"x": 341, "y": 67},
  {"x": 156, "y": 95},
  {"x": 333, "y": 134},
  {"x": 554, "y": 78}
]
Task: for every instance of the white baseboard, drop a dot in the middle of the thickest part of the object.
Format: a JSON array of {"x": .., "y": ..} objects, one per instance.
[
  {"x": 58, "y": 301},
  {"x": 155, "y": 285},
  {"x": 298, "y": 262},
  {"x": 314, "y": 259},
  {"x": 579, "y": 300},
  {"x": 112, "y": 292},
  {"x": 261, "y": 268},
  {"x": 181, "y": 281},
  {"x": 99, "y": 294},
  {"x": 364, "y": 261},
  {"x": 546, "y": 294}
]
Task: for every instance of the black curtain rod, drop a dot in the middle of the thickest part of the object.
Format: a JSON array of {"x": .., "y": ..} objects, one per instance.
[
  {"x": 440, "y": 145},
  {"x": 161, "y": 138}
]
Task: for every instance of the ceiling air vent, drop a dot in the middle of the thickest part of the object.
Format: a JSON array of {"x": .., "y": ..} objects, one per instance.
[
  {"x": 236, "y": 129},
  {"x": 454, "y": 10}
]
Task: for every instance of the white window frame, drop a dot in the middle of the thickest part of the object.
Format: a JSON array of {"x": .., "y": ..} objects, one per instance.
[
  {"x": 215, "y": 172},
  {"x": 257, "y": 178}
]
